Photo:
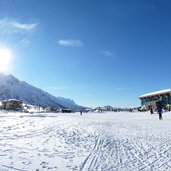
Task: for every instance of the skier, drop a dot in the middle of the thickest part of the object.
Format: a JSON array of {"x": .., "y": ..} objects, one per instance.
[{"x": 159, "y": 110}]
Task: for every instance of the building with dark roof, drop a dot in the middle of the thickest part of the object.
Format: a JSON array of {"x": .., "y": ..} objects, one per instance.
[{"x": 12, "y": 104}]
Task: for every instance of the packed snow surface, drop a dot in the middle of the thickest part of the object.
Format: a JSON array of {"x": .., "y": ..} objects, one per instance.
[{"x": 91, "y": 142}]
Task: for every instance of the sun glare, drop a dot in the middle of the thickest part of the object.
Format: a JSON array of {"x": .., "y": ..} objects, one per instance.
[{"x": 5, "y": 58}]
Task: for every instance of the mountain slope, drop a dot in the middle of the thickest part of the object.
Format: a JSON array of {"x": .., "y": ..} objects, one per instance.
[{"x": 11, "y": 87}]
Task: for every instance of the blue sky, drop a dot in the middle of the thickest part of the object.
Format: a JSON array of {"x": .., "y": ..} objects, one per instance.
[{"x": 95, "y": 52}]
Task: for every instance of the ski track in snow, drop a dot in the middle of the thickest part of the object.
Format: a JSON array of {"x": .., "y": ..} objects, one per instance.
[{"x": 92, "y": 142}]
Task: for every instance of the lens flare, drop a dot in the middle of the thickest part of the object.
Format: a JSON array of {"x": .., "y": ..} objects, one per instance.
[{"x": 5, "y": 58}]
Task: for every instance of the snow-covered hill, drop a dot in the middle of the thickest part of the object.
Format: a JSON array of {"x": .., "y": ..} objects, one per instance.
[{"x": 11, "y": 87}]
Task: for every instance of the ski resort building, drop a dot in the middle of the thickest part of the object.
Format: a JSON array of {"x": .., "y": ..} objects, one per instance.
[
  {"x": 152, "y": 99},
  {"x": 12, "y": 104}
]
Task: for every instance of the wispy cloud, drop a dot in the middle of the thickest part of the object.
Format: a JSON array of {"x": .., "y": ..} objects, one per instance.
[
  {"x": 123, "y": 88},
  {"x": 25, "y": 27},
  {"x": 70, "y": 43},
  {"x": 107, "y": 53},
  {"x": 13, "y": 26},
  {"x": 24, "y": 43},
  {"x": 56, "y": 88}
]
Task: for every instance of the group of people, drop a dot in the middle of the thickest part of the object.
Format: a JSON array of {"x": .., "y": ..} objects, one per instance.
[{"x": 159, "y": 110}]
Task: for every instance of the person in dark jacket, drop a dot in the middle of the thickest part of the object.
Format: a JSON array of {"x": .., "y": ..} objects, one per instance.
[
  {"x": 159, "y": 110},
  {"x": 151, "y": 110}
]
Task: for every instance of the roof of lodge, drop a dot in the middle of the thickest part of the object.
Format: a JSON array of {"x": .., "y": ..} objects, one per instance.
[
  {"x": 156, "y": 93},
  {"x": 11, "y": 100}
]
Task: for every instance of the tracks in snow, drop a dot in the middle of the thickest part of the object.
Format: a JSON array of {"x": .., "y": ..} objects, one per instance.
[
  {"x": 130, "y": 151},
  {"x": 82, "y": 146}
]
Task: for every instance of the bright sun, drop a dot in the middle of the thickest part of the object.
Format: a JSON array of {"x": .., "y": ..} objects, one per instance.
[{"x": 5, "y": 58}]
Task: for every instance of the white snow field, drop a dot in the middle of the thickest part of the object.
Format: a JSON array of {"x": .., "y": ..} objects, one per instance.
[{"x": 110, "y": 141}]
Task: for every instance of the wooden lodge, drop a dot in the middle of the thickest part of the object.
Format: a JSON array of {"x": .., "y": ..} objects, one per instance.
[{"x": 11, "y": 104}]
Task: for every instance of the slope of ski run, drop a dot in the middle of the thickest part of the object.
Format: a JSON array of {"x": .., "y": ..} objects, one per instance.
[{"x": 94, "y": 141}]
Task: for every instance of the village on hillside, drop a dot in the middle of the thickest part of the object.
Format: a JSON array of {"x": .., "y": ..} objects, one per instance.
[
  {"x": 148, "y": 101},
  {"x": 18, "y": 105}
]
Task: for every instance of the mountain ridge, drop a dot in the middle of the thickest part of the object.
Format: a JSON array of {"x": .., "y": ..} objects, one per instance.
[{"x": 12, "y": 88}]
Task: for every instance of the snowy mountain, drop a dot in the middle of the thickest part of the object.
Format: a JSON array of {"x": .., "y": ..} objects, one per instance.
[{"x": 12, "y": 88}]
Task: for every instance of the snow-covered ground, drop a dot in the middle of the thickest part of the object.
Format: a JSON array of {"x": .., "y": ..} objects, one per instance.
[{"x": 91, "y": 142}]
